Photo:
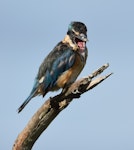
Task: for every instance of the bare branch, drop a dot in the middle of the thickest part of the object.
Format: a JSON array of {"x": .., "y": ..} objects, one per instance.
[{"x": 53, "y": 106}]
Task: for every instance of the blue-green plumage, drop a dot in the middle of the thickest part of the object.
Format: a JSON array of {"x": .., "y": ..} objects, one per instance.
[
  {"x": 54, "y": 65},
  {"x": 63, "y": 64}
]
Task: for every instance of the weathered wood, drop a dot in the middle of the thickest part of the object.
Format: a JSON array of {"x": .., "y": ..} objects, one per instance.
[{"x": 53, "y": 106}]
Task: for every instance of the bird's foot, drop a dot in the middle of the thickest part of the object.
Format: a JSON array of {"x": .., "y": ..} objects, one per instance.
[{"x": 54, "y": 104}]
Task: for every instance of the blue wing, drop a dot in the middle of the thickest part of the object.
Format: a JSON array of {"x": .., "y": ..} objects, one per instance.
[
  {"x": 58, "y": 61},
  {"x": 54, "y": 65}
]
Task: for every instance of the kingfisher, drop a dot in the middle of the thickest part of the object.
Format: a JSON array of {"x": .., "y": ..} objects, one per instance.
[{"x": 63, "y": 64}]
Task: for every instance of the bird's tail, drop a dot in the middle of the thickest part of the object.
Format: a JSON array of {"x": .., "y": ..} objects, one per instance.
[{"x": 25, "y": 103}]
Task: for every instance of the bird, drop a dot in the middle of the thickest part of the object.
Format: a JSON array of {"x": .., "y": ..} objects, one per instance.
[{"x": 63, "y": 64}]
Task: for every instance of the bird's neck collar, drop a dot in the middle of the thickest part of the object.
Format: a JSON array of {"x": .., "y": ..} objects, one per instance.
[
  {"x": 77, "y": 45},
  {"x": 67, "y": 40}
]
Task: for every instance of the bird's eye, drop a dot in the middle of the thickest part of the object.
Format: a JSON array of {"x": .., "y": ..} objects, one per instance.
[{"x": 82, "y": 36}]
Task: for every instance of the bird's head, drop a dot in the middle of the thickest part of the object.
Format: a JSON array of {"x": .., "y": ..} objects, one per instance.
[{"x": 77, "y": 32}]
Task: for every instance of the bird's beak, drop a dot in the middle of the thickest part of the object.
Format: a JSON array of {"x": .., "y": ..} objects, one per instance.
[{"x": 82, "y": 37}]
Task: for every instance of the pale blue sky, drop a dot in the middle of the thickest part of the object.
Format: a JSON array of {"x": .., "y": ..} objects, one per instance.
[{"x": 102, "y": 119}]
